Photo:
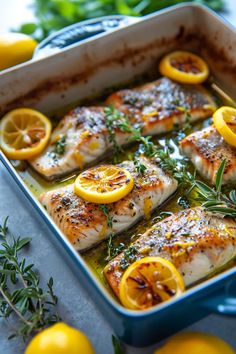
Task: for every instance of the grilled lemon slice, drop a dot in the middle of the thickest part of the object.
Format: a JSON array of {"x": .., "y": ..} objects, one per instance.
[
  {"x": 104, "y": 184},
  {"x": 184, "y": 67},
  {"x": 225, "y": 122},
  {"x": 24, "y": 133},
  {"x": 148, "y": 282}
]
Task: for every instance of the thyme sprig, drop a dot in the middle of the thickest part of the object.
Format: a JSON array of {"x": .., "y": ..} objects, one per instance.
[
  {"x": 112, "y": 249},
  {"x": 20, "y": 291},
  {"x": 104, "y": 208},
  {"x": 116, "y": 120},
  {"x": 213, "y": 199},
  {"x": 181, "y": 130}
]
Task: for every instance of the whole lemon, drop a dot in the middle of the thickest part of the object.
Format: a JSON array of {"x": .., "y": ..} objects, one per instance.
[
  {"x": 60, "y": 339},
  {"x": 15, "y": 48},
  {"x": 195, "y": 343}
]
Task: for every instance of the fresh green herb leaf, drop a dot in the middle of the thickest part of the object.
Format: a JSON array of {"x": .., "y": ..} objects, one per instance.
[
  {"x": 140, "y": 168},
  {"x": 112, "y": 249},
  {"x": 213, "y": 199},
  {"x": 116, "y": 120},
  {"x": 183, "y": 202},
  {"x": 219, "y": 176},
  {"x": 104, "y": 208},
  {"x": 117, "y": 345},
  {"x": 130, "y": 255},
  {"x": 52, "y": 15},
  {"x": 20, "y": 291},
  {"x": 60, "y": 146},
  {"x": 181, "y": 130}
]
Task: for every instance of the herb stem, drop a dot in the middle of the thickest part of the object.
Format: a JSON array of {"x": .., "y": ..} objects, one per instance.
[{"x": 14, "y": 308}]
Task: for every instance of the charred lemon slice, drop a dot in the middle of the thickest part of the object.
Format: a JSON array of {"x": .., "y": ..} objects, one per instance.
[
  {"x": 104, "y": 184},
  {"x": 24, "y": 133},
  {"x": 225, "y": 122},
  {"x": 184, "y": 67},
  {"x": 148, "y": 282}
]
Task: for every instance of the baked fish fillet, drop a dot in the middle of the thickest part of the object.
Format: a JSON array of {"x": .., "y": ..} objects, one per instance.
[
  {"x": 160, "y": 105},
  {"x": 207, "y": 149},
  {"x": 85, "y": 224},
  {"x": 156, "y": 107},
  {"x": 195, "y": 241}
]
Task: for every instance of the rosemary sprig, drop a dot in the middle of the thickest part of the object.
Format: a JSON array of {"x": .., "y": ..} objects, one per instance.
[
  {"x": 20, "y": 291},
  {"x": 213, "y": 199}
]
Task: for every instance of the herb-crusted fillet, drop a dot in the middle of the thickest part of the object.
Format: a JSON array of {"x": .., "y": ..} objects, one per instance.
[
  {"x": 85, "y": 224},
  {"x": 83, "y": 136},
  {"x": 195, "y": 241},
  {"x": 207, "y": 149},
  {"x": 161, "y": 104}
]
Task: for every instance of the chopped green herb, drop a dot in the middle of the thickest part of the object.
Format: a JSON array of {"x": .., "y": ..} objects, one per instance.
[
  {"x": 140, "y": 168},
  {"x": 186, "y": 235},
  {"x": 183, "y": 202},
  {"x": 60, "y": 146},
  {"x": 130, "y": 255}
]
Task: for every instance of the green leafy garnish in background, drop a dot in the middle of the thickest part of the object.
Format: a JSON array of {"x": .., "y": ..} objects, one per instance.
[{"x": 53, "y": 15}]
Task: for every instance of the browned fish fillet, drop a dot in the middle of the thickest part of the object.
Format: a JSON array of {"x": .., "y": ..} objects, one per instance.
[
  {"x": 196, "y": 242},
  {"x": 85, "y": 224},
  {"x": 81, "y": 138},
  {"x": 207, "y": 149},
  {"x": 158, "y": 105}
]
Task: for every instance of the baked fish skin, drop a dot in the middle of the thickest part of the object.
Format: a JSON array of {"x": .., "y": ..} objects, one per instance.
[
  {"x": 85, "y": 224},
  {"x": 195, "y": 241},
  {"x": 157, "y": 105},
  {"x": 86, "y": 138},
  {"x": 207, "y": 149}
]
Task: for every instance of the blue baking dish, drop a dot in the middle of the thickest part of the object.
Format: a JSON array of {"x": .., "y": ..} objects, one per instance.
[{"x": 112, "y": 51}]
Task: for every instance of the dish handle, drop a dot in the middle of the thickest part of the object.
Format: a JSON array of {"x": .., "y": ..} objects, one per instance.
[
  {"x": 81, "y": 31},
  {"x": 223, "y": 302}
]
